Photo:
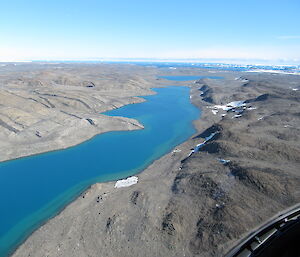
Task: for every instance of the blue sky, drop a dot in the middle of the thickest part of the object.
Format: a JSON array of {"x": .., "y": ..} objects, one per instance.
[{"x": 91, "y": 29}]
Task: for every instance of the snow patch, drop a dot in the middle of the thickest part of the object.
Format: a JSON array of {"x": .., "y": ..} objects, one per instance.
[
  {"x": 236, "y": 104},
  {"x": 176, "y": 150},
  {"x": 237, "y": 116},
  {"x": 230, "y": 106},
  {"x": 126, "y": 182},
  {"x": 238, "y": 111},
  {"x": 223, "y": 107},
  {"x": 199, "y": 146},
  {"x": 214, "y": 111},
  {"x": 223, "y": 161},
  {"x": 241, "y": 79}
]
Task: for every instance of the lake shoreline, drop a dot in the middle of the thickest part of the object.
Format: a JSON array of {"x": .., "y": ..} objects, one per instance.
[
  {"x": 159, "y": 215},
  {"x": 130, "y": 124},
  {"x": 48, "y": 114},
  {"x": 104, "y": 187},
  {"x": 74, "y": 198}
]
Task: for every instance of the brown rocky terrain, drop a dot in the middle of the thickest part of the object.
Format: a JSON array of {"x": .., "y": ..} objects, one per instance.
[
  {"x": 45, "y": 107},
  {"x": 199, "y": 203}
]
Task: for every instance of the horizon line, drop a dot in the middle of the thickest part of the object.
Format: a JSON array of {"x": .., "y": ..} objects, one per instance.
[{"x": 244, "y": 61}]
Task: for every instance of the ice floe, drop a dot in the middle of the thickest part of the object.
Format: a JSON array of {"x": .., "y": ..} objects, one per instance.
[
  {"x": 276, "y": 71},
  {"x": 126, "y": 182}
]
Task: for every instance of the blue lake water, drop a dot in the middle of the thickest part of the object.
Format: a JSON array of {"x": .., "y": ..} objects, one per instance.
[
  {"x": 35, "y": 188},
  {"x": 188, "y": 78}
]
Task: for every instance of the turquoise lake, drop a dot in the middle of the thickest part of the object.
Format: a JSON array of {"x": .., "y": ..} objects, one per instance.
[{"x": 33, "y": 189}]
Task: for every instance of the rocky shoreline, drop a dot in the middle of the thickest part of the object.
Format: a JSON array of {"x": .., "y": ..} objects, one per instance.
[
  {"x": 50, "y": 107},
  {"x": 197, "y": 204}
]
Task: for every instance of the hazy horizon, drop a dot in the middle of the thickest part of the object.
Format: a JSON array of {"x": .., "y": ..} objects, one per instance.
[
  {"x": 241, "y": 62},
  {"x": 249, "y": 31}
]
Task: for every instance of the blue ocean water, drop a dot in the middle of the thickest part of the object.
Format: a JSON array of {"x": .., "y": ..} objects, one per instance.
[{"x": 35, "y": 188}]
